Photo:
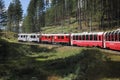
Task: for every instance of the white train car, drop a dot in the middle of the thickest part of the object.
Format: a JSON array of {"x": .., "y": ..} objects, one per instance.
[
  {"x": 22, "y": 37},
  {"x": 33, "y": 37}
]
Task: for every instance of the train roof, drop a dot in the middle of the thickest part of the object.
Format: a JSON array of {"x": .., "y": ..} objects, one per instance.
[
  {"x": 55, "y": 34},
  {"x": 85, "y": 33},
  {"x": 28, "y": 34}
]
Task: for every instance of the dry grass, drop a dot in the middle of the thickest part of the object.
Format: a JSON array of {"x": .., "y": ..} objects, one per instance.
[{"x": 53, "y": 78}]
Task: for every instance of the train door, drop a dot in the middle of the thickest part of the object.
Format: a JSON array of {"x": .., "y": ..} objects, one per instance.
[
  {"x": 71, "y": 39},
  {"x": 53, "y": 36}
]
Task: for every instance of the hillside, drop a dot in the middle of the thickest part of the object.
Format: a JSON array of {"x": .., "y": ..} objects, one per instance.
[
  {"x": 67, "y": 28},
  {"x": 55, "y": 62},
  {"x": 73, "y": 27}
]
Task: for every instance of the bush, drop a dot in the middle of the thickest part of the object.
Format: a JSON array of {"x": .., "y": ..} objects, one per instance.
[{"x": 91, "y": 66}]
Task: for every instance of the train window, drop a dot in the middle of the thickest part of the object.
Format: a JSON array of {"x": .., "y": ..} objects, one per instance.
[
  {"x": 115, "y": 36},
  {"x": 21, "y": 36},
  {"x": 24, "y": 36},
  {"x": 83, "y": 37},
  {"x": 95, "y": 37},
  {"x": 119, "y": 36},
  {"x": 62, "y": 37},
  {"x": 34, "y": 36},
  {"x": 112, "y": 36},
  {"x": 38, "y": 36},
  {"x": 109, "y": 36},
  {"x": 91, "y": 37},
  {"x": 73, "y": 37},
  {"x": 100, "y": 38},
  {"x": 67, "y": 37},
  {"x": 58, "y": 37},
  {"x": 77, "y": 37},
  {"x": 87, "y": 37},
  {"x": 106, "y": 36}
]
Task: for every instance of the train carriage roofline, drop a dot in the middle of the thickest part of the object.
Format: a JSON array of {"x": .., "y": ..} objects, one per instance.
[
  {"x": 54, "y": 34},
  {"x": 88, "y": 33}
]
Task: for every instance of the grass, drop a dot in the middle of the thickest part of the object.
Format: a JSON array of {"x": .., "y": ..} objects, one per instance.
[
  {"x": 59, "y": 52},
  {"x": 60, "y": 29},
  {"x": 47, "y": 62},
  {"x": 9, "y": 36},
  {"x": 115, "y": 57},
  {"x": 58, "y": 61}
]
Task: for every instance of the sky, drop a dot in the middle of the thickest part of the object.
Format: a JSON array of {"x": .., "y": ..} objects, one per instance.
[{"x": 23, "y": 2}]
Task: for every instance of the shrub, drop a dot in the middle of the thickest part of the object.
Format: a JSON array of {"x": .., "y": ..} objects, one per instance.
[{"x": 91, "y": 66}]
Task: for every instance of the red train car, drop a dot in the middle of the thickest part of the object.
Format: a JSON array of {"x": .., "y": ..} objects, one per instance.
[
  {"x": 46, "y": 38},
  {"x": 87, "y": 39},
  {"x": 112, "y": 40},
  {"x": 55, "y": 38},
  {"x": 61, "y": 38}
]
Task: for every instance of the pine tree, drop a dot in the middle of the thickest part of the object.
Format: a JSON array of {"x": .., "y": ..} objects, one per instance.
[
  {"x": 14, "y": 15},
  {"x": 36, "y": 16},
  {"x": 32, "y": 15},
  {"x": 3, "y": 16},
  {"x": 18, "y": 14},
  {"x": 10, "y": 14}
]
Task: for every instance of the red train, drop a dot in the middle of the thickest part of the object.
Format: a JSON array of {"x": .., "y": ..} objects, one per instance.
[
  {"x": 110, "y": 40},
  {"x": 55, "y": 38}
]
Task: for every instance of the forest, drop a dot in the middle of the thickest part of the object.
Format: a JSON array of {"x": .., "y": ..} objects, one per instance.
[{"x": 104, "y": 14}]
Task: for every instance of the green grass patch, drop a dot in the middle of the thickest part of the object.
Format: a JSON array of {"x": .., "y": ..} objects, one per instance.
[
  {"x": 9, "y": 36},
  {"x": 47, "y": 62}
]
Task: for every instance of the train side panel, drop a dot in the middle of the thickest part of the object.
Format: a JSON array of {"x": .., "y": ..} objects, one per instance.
[
  {"x": 88, "y": 39},
  {"x": 46, "y": 38},
  {"x": 61, "y": 38},
  {"x": 112, "y": 40}
]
